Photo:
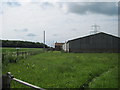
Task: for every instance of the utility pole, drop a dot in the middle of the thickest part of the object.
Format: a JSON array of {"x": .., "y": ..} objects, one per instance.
[
  {"x": 44, "y": 39},
  {"x": 95, "y": 29}
]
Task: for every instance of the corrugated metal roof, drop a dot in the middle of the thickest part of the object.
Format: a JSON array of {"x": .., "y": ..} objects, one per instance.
[{"x": 94, "y": 35}]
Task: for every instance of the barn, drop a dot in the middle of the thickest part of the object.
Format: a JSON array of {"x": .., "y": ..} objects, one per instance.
[{"x": 99, "y": 43}]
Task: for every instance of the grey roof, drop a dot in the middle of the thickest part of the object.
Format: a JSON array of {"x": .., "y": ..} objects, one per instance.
[{"x": 94, "y": 35}]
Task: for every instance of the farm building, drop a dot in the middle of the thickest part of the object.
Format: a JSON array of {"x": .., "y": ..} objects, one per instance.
[
  {"x": 58, "y": 46},
  {"x": 100, "y": 42},
  {"x": 65, "y": 47}
]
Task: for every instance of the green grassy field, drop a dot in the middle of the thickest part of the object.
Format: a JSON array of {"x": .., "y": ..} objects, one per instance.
[
  {"x": 67, "y": 70},
  {"x": 106, "y": 79}
]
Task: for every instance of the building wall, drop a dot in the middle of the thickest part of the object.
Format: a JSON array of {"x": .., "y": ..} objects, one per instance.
[
  {"x": 95, "y": 43},
  {"x": 65, "y": 47},
  {"x": 58, "y": 46}
]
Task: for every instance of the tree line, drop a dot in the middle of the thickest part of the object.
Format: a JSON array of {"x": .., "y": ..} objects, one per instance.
[{"x": 22, "y": 44}]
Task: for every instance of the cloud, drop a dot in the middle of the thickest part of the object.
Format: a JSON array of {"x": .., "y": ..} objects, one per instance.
[
  {"x": 74, "y": 29},
  {"x": 1, "y": 8},
  {"x": 112, "y": 20},
  {"x": 46, "y": 5},
  {"x": 12, "y": 4},
  {"x": 21, "y": 30},
  {"x": 55, "y": 35},
  {"x": 31, "y": 35},
  {"x": 1, "y": 11},
  {"x": 106, "y": 8}
]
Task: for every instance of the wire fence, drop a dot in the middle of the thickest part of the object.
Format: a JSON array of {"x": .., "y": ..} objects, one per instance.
[
  {"x": 13, "y": 57},
  {"x": 6, "y": 81}
]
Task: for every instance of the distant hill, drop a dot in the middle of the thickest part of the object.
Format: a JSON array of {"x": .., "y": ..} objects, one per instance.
[{"x": 22, "y": 44}]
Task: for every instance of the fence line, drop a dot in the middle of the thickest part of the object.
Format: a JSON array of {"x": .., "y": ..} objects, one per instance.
[
  {"x": 8, "y": 78},
  {"x": 22, "y": 53},
  {"x": 15, "y": 56}
]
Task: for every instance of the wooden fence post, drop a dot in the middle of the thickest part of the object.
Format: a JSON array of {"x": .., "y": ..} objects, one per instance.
[{"x": 6, "y": 80}]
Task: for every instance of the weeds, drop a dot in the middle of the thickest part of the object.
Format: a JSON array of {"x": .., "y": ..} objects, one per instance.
[{"x": 64, "y": 70}]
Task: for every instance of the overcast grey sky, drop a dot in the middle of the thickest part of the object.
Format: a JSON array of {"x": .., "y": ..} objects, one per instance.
[{"x": 62, "y": 21}]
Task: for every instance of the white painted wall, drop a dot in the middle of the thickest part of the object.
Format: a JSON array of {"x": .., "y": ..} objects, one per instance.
[{"x": 65, "y": 47}]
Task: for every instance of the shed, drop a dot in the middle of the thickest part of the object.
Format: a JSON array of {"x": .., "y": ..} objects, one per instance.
[{"x": 100, "y": 42}]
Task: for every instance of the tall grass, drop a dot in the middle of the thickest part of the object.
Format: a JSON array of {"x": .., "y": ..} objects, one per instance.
[
  {"x": 62, "y": 70},
  {"x": 108, "y": 79},
  {"x": 11, "y": 55}
]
